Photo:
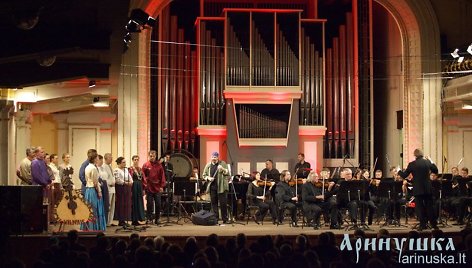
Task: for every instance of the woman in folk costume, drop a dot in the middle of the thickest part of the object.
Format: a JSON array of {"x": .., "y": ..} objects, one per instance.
[
  {"x": 93, "y": 196},
  {"x": 123, "y": 184},
  {"x": 137, "y": 206}
]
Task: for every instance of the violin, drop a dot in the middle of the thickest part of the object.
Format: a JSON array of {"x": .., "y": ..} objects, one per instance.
[
  {"x": 320, "y": 184},
  {"x": 264, "y": 183},
  {"x": 296, "y": 182}
]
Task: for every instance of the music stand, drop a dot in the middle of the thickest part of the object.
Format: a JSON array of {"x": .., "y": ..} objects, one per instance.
[
  {"x": 184, "y": 189},
  {"x": 170, "y": 206},
  {"x": 441, "y": 188},
  {"x": 234, "y": 199},
  {"x": 389, "y": 190},
  {"x": 361, "y": 195},
  {"x": 445, "y": 176},
  {"x": 349, "y": 191}
]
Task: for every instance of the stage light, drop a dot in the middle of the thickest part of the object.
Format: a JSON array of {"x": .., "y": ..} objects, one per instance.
[
  {"x": 97, "y": 102},
  {"x": 455, "y": 55},
  {"x": 92, "y": 83},
  {"x": 469, "y": 49},
  {"x": 137, "y": 22},
  {"x": 133, "y": 27},
  {"x": 142, "y": 17}
]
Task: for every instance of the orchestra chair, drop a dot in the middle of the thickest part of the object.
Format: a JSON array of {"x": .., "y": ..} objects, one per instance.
[{"x": 248, "y": 214}]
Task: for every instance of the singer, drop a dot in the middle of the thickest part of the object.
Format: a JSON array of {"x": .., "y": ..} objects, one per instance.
[
  {"x": 154, "y": 181},
  {"x": 217, "y": 174}
]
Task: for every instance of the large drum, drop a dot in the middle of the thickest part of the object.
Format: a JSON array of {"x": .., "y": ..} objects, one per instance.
[{"x": 183, "y": 163}]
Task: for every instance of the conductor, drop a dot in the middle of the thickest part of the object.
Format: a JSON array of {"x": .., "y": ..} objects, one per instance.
[{"x": 422, "y": 189}]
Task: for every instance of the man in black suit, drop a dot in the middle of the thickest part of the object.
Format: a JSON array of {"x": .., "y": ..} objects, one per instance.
[{"x": 422, "y": 189}]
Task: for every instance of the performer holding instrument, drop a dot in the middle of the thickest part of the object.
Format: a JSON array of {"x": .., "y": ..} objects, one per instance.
[
  {"x": 258, "y": 194},
  {"x": 302, "y": 168},
  {"x": 286, "y": 197},
  {"x": 217, "y": 174},
  {"x": 314, "y": 201}
]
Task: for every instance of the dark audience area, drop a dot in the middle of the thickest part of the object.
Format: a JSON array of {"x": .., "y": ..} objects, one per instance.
[{"x": 322, "y": 250}]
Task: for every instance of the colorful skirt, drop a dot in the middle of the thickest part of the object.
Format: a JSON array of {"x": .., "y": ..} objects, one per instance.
[{"x": 98, "y": 223}]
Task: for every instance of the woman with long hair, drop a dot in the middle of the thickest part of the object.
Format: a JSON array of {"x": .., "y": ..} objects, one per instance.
[{"x": 137, "y": 205}]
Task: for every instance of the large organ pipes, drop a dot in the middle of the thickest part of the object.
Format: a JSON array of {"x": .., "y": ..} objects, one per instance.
[
  {"x": 213, "y": 80},
  {"x": 339, "y": 93},
  {"x": 164, "y": 82},
  {"x": 202, "y": 76},
  {"x": 329, "y": 105},
  {"x": 350, "y": 85},
  {"x": 311, "y": 86},
  {"x": 175, "y": 83},
  {"x": 342, "y": 88},
  {"x": 173, "y": 91},
  {"x": 238, "y": 61},
  {"x": 180, "y": 79}
]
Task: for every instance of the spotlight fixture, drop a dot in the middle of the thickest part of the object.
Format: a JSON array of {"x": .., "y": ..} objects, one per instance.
[
  {"x": 92, "y": 83},
  {"x": 133, "y": 27},
  {"x": 141, "y": 17},
  {"x": 455, "y": 55},
  {"x": 138, "y": 21},
  {"x": 469, "y": 49}
]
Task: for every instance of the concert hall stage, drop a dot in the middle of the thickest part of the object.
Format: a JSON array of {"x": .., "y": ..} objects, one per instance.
[{"x": 181, "y": 231}]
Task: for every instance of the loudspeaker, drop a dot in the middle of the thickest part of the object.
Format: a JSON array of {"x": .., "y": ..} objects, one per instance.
[
  {"x": 22, "y": 209},
  {"x": 204, "y": 217},
  {"x": 400, "y": 119}
]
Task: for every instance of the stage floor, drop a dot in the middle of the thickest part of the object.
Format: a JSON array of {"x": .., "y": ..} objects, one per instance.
[{"x": 187, "y": 228}]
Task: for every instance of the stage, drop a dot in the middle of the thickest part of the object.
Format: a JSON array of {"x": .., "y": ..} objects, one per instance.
[{"x": 187, "y": 228}]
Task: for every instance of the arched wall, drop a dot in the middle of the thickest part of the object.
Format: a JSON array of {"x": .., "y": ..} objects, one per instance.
[{"x": 422, "y": 90}]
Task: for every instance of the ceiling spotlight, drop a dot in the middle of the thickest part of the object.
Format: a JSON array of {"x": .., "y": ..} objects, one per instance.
[
  {"x": 469, "y": 49},
  {"x": 127, "y": 38},
  {"x": 142, "y": 17},
  {"x": 455, "y": 55},
  {"x": 92, "y": 83},
  {"x": 133, "y": 27}
]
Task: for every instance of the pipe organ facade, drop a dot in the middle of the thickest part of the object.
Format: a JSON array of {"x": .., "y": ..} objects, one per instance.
[{"x": 266, "y": 77}]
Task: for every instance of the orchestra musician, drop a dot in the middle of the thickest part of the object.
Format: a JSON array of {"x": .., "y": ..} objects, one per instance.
[
  {"x": 269, "y": 172},
  {"x": 351, "y": 205},
  {"x": 286, "y": 197},
  {"x": 422, "y": 190},
  {"x": 462, "y": 200},
  {"x": 366, "y": 203},
  {"x": 258, "y": 194},
  {"x": 302, "y": 168},
  {"x": 217, "y": 174},
  {"x": 314, "y": 201}
]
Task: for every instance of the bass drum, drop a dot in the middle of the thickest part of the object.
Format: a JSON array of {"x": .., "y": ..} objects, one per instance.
[{"x": 183, "y": 164}]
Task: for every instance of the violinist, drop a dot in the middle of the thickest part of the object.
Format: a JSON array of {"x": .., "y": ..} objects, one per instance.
[
  {"x": 272, "y": 174},
  {"x": 286, "y": 198},
  {"x": 351, "y": 205},
  {"x": 366, "y": 203},
  {"x": 302, "y": 168},
  {"x": 258, "y": 193},
  {"x": 463, "y": 200},
  {"x": 314, "y": 201}
]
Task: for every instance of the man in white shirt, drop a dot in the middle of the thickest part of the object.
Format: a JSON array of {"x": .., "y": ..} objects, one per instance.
[
  {"x": 110, "y": 179},
  {"x": 24, "y": 172}
]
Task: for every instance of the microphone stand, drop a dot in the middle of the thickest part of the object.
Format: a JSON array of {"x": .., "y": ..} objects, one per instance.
[
  {"x": 231, "y": 216},
  {"x": 170, "y": 205}
]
